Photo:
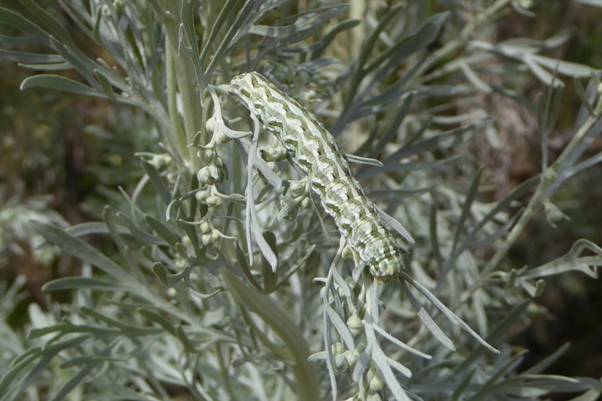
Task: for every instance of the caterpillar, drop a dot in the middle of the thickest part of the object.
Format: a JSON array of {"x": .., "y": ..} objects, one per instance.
[{"x": 318, "y": 154}]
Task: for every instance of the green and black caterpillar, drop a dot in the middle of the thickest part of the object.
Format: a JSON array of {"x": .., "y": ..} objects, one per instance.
[{"x": 319, "y": 156}]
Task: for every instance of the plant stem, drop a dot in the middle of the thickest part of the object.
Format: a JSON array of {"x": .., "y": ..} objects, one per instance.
[
  {"x": 549, "y": 178},
  {"x": 466, "y": 34},
  {"x": 172, "y": 90},
  {"x": 279, "y": 320},
  {"x": 188, "y": 86}
]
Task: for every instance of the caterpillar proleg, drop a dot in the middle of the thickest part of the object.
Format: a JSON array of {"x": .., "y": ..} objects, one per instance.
[{"x": 319, "y": 156}]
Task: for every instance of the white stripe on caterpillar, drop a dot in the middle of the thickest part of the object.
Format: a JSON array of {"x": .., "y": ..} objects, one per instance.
[{"x": 319, "y": 156}]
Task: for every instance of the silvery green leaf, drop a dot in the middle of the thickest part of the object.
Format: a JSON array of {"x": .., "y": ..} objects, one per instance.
[
  {"x": 60, "y": 83},
  {"x": 139, "y": 233},
  {"x": 48, "y": 67},
  {"x": 30, "y": 58},
  {"x": 157, "y": 181},
  {"x": 381, "y": 360},
  {"x": 400, "y": 344},
  {"x": 440, "y": 141},
  {"x": 215, "y": 28},
  {"x": 570, "y": 261},
  {"x": 363, "y": 160},
  {"x": 473, "y": 78},
  {"x": 269, "y": 31},
  {"x": 314, "y": 26},
  {"x": 592, "y": 161},
  {"x": 512, "y": 196},
  {"x": 83, "y": 229},
  {"x": 564, "y": 67},
  {"x": 80, "y": 249},
  {"x": 54, "y": 27},
  {"x": 241, "y": 18},
  {"x": 16, "y": 20},
  {"x": 558, "y": 39},
  {"x": 447, "y": 312},
  {"x": 596, "y": 3},
  {"x": 420, "y": 39},
  {"x": 105, "y": 84},
  {"x": 497, "y": 332},
  {"x": 17, "y": 40},
  {"x": 399, "y": 193},
  {"x": 544, "y": 364},
  {"x": 470, "y": 198},
  {"x": 160, "y": 320},
  {"x": 270, "y": 277},
  {"x": 328, "y": 37},
  {"x": 11, "y": 392},
  {"x": 340, "y": 327},
  {"x": 426, "y": 318},
  {"x": 70, "y": 283},
  {"x": 594, "y": 393},
  {"x": 396, "y": 225},
  {"x": 576, "y": 152},
  {"x": 390, "y": 165},
  {"x": 328, "y": 353},
  {"x": 161, "y": 229},
  {"x": 582, "y": 96},
  {"x": 391, "y": 131},
  {"x": 369, "y": 44}
]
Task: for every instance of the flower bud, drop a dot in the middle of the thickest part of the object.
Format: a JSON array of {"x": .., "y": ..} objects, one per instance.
[
  {"x": 202, "y": 196},
  {"x": 209, "y": 175},
  {"x": 210, "y": 124},
  {"x": 374, "y": 397},
  {"x": 553, "y": 213},
  {"x": 206, "y": 155},
  {"x": 215, "y": 236},
  {"x": 347, "y": 252},
  {"x": 205, "y": 227},
  {"x": 220, "y": 137},
  {"x": 206, "y": 239},
  {"x": 376, "y": 383},
  {"x": 340, "y": 363},
  {"x": 352, "y": 357},
  {"x": 305, "y": 203},
  {"x": 298, "y": 188},
  {"x": 292, "y": 209},
  {"x": 355, "y": 325},
  {"x": 214, "y": 201},
  {"x": 338, "y": 348}
]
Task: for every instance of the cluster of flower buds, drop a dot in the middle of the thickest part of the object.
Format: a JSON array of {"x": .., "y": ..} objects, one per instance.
[
  {"x": 299, "y": 196},
  {"x": 347, "y": 359},
  {"x": 214, "y": 170},
  {"x": 273, "y": 153},
  {"x": 209, "y": 234},
  {"x": 209, "y": 176},
  {"x": 219, "y": 137},
  {"x": 210, "y": 197},
  {"x": 344, "y": 360}
]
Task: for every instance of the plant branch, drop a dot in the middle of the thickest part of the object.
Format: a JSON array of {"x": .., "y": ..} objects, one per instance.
[
  {"x": 549, "y": 178},
  {"x": 279, "y": 320},
  {"x": 465, "y": 36}
]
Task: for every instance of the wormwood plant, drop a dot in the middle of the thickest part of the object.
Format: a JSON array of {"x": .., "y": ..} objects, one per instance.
[{"x": 227, "y": 280}]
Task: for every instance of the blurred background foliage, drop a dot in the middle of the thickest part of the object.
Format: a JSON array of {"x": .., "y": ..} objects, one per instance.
[{"x": 56, "y": 143}]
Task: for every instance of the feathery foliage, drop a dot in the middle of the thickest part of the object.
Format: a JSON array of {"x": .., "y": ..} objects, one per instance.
[{"x": 225, "y": 281}]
